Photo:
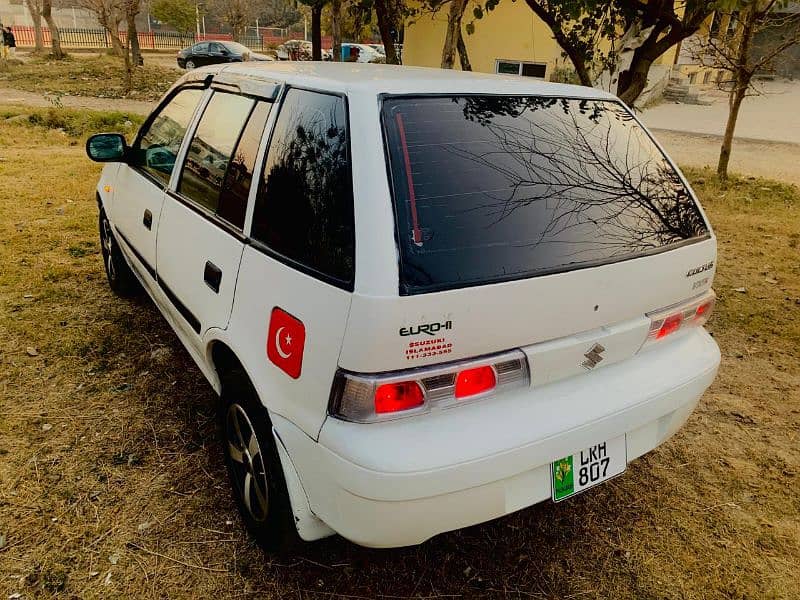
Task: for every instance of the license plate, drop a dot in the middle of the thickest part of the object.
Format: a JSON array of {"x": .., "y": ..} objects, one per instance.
[{"x": 582, "y": 470}]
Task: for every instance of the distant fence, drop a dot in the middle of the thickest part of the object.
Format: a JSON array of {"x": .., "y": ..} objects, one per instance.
[{"x": 153, "y": 40}]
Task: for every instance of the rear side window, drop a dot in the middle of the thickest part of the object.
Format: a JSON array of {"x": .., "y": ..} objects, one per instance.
[
  {"x": 492, "y": 188},
  {"x": 156, "y": 148},
  {"x": 219, "y": 164},
  {"x": 304, "y": 207}
]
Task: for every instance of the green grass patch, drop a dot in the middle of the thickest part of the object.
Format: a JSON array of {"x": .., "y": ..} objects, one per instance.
[
  {"x": 73, "y": 122},
  {"x": 101, "y": 76}
]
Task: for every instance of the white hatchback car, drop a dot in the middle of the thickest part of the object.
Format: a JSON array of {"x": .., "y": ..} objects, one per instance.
[{"x": 426, "y": 298}]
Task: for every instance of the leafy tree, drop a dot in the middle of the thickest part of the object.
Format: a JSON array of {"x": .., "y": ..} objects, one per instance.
[
  {"x": 237, "y": 14},
  {"x": 181, "y": 14},
  {"x": 389, "y": 14},
  {"x": 648, "y": 29},
  {"x": 579, "y": 27}
]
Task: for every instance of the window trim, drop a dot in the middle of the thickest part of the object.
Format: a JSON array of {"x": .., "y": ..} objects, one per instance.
[
  {"x": 497, "y": 62},
  {"x": 264, "y": 248},
  {"x": 201, "y": 85},
  {"x": 403, "y": 291},
  {"x": 174, "y": 191}
]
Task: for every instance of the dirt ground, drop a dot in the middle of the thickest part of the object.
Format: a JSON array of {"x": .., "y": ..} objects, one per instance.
[
  {"x": 12, "y": 96},
  {"x": 112, "y": 484}
]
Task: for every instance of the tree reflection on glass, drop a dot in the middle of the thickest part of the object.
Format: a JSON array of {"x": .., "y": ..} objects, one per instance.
[
  {"x": 505, "y": 186},
  {"x": 305, "y": 209}
]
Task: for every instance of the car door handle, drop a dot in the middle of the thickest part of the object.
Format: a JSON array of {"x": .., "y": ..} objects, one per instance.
[
  {"x": 212, "y": 275},
  {"x": 147, "y": 219}
]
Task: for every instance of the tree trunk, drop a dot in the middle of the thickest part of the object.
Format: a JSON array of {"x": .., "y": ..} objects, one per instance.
[
  {"x": 336, "y": 30},
  {"x": 737, "y": 95},
  {"x": 55, "y": 36},
  {"x": 131, "y": 10},
  {"x": 36, "y": 16},
  {"x": 741, "y": 82},
  {"x": 127, "y": 83},
  {"x": 316, "y": 31},
  {"x": 452, "y": 33},
  {"x": 117, "y": 47},
  {"x": 385, "y": 26},
  {"x": 633, "y": 81},
  {"x": 462, "y": 53},
  {"x": 581, "y": 70}
]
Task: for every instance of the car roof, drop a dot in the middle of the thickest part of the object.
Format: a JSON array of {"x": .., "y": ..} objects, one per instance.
[{"x": 393, "y": 79}]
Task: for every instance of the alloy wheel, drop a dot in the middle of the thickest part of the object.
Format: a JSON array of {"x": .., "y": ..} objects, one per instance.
[
  {"x": 247, "y": 461},
  {"x": 107, "y": 241}
]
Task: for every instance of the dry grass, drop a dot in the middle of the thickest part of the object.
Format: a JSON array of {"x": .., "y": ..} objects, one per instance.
[
  {"x": 111, "y": 483},
  {"x": 100, "y": 76}
]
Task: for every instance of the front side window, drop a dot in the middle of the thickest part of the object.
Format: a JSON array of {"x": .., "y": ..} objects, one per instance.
[
  {"x": 157, "y": 145},
  {"x": 304, "y": 207},
  {"x": 495, "y": 188},
  {"x": 212, "y": 148}
]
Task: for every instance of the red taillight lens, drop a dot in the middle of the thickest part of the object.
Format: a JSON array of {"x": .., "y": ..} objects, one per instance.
[
  {"x": 704, "y": 310},
  {"x": 394, "y": 397},
  {"x": 475, "y": 381},
  {"x": 671, "y": 325}
]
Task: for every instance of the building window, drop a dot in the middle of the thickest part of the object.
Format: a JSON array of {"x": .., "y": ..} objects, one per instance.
[{"x": 517, "y": 67}]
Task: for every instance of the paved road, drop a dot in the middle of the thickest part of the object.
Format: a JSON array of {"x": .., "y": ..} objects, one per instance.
[
  {"x": 773, "y": 160},
  {"x": 772, "y": 116}
]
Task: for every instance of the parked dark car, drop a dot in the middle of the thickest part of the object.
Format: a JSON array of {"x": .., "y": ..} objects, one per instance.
[{"x": 210, "y": 53}]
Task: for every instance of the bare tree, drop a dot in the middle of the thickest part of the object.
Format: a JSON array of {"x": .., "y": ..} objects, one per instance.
[
  {"x": 35, "y": 9},
  {"x": 109, "y": 13},
  {"x": 736, "y": 56},
  {"x": 237, "y": 14}
]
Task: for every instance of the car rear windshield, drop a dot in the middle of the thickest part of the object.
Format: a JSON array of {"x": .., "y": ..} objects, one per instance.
[{"x": 495, "y": 188}]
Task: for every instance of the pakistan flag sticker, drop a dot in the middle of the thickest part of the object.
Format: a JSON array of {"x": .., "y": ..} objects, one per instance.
[{"x": 563, "y": 483}]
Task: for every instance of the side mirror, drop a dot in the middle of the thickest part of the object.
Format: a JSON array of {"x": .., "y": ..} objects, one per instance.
[{"x": 107, "y": 147}]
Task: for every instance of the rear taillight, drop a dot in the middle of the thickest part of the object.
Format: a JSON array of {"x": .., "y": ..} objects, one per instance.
[
  {"x": 471, "y": 382},
  {"x": 394, "y": 397},
  {"x": 693, "y": 313},
  {"x": 380, "y": 397}
]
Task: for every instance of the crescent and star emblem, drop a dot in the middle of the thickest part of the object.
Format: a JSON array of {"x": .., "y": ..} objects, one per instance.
[{"x": 278, "y": 347}]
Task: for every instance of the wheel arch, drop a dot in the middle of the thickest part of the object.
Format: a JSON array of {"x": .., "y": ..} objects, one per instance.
[{"x": 223, "y": 359}]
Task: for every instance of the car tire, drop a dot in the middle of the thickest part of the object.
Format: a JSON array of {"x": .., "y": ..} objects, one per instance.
[
  {"x": 121, "y": 279},
  {"x": 253, "y": 465},
  {"x": 190, "y": 64}
]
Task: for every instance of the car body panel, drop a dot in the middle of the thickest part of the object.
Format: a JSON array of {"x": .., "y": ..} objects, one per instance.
[{"x": 400, "y": 482}]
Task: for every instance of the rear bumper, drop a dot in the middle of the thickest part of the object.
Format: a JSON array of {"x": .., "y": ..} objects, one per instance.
[{"x": 402, "y": 482}]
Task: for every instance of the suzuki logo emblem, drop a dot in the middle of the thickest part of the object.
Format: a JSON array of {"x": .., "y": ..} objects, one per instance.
[{"x": 593, "y": 357}]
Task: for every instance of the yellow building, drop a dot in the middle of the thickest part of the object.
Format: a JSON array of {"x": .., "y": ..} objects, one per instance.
[{"x": 510, "y": 39}]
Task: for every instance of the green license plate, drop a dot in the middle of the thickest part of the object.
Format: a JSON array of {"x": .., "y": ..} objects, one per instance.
[{"x": 582, "y": 470}]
